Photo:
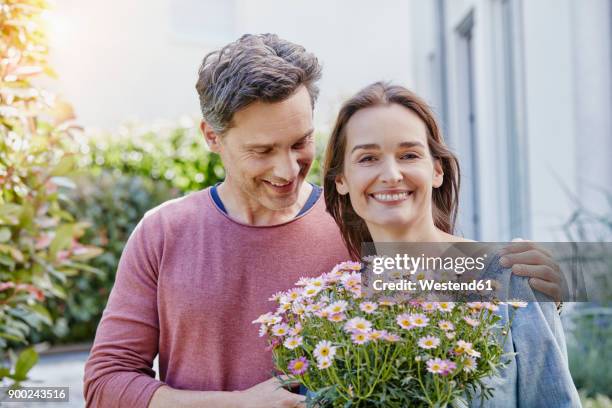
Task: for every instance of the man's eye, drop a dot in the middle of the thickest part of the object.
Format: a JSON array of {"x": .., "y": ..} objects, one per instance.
[
  {"x": 302, "y": 143},
  {"x": 262, "y": 151}
]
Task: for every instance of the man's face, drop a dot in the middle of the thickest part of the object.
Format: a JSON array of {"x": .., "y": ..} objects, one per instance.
[{"x": 269, "y": 150}]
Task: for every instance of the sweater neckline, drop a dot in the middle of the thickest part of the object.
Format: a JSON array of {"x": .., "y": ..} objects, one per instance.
[{"x": 298, "y": 218}]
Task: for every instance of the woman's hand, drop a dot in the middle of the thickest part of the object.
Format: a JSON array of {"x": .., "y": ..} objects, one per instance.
[{"x": 528, "y": 259}]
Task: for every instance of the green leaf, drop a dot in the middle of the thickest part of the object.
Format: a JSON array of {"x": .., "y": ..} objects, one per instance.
[
  {"x": 5, "y": 234},
  {"x": 62, "y": 239},
  {"x": 7, "y": 261},
  {"x": 66, "y": 164},
  {"x": 14, "y": 252},
  {"x": 58, "y": 291},
  {"x": 64, "y": 182},
  {"x": 26, "y": 360},
  {"x": 85, "y": 253},
  {"x": 11, "y": 332},
  {"x": 10, "y": 213},
  {"x": 12, "y": 337},
  {"x": 4, "y": 372},
  {"x": 85, "y": 268}
]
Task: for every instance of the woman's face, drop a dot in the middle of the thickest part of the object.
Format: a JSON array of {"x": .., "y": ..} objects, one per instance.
[{"x": 389, "y": 172}]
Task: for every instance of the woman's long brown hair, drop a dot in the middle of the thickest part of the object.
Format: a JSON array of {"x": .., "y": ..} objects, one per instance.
[{"x": 445, "y": 198}]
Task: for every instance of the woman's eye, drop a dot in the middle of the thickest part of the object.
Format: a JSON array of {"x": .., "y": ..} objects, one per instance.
[
  {"x": 409, "y": 156},
  {"x": 365, "y": 159}
]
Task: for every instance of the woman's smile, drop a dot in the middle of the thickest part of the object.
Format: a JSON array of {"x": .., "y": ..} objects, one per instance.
[{"x": 391, "y": 197}]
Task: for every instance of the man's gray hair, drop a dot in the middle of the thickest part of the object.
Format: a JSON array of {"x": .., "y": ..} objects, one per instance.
[{"x": 254, "y": 68}]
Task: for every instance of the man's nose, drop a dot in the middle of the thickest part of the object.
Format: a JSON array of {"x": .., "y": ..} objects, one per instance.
[
  {"x": 390, "y": 172},
  {"x": 287, "y": 167}
]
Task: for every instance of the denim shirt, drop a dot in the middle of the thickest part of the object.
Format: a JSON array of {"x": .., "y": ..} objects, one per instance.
[{"x": 538, "y": 374}]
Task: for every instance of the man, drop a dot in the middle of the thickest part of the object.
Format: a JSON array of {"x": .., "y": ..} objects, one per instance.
[{"x": 197, "y": 270}]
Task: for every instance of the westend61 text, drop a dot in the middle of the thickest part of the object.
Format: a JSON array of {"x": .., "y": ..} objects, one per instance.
[{"x": 432, "y": 285}]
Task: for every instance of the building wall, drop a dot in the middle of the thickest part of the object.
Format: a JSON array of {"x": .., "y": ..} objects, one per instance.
[
  {"x": 543, "y": 139},
  {"x": 118, "y": 60}
]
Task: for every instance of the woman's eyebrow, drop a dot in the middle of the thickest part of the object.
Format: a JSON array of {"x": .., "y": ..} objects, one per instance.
[
  {"x": 376, "y": 146},
  {"x": 365, "y": 146},
  {"x": 411, "y": 144}
]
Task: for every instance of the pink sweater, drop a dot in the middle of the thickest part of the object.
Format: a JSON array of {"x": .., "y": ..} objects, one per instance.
[{"x": 190, "y": 282}]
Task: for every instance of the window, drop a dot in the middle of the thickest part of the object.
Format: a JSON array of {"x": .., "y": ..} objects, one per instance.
[
  {"x": 466, "y": 137},
  {"x": 512, "y": 144}
]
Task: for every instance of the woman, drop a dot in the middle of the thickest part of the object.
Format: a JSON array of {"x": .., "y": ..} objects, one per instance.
[{"x": 389, "y": 177}]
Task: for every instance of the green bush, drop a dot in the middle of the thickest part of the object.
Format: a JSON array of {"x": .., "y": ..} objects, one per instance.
[
  {"x": 121, "y": 176},
  {"x": 113, "y": 203},
  {"x": 169, "y": 153},
  {"x": 589, "y": 335},
  {"x": 39, "y": 239},
  {"x": 589, "y": 325}
]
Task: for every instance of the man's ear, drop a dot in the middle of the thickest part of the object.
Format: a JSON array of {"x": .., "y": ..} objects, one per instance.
[
  {"x": 438, "y": 177},
  {"x": 213, "y": 140},
  {"x": 341, "y": 185}
]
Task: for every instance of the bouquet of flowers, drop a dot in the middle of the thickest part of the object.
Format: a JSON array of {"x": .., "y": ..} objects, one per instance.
[{"x": 353, "y": 351}]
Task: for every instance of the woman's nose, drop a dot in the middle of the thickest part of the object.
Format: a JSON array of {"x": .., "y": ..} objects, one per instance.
[{"x": 391, "y": 173}]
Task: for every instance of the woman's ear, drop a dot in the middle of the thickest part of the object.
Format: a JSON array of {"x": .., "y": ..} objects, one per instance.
[
  {"x": 341, "y": 185},
  {"x": 213, "y": 140},
  {"x": 438, "y": 176}
]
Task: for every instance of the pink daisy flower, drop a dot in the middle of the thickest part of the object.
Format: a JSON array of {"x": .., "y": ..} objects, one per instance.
[
  {"x": 360, "y": 337},
  {"x": 436, "y": 366},
  {"x": 446, "y": 306},
  {"x": 419, "y": 320},
  {"x": 448, "y": 367},
  {"x": 336, "y": 317},
  {"x": 471, "y": 322},
  {"x": 324, "y": 363},
  {"x": 464, "y": 347},
  {"x": 294, "y": 294},
  {"x": 324, "y": 349},
  {"x": 491, "y": 306},
  {"x": 404, "y": 321},
  {"x": 293, "y": 342},
  {"x": 469, "y": 364},
  {"x": 429, "y": 307},
  {"x": 429, "y": 342},
  {"x": 358, "y": 324},
  {"x": 475, "y": 305},
  {"x": 298, "y": 366},
  {"x": 351, "y": 280},
  {"x": 386, "y": 302},
  {"x": 517, "y": 303},
  {"x": 297, "y": 329},
  {"x": 391, "y": 337},
  {"x": 337, "y": 307},
  {"x": 368, "y": 307},
  {"x": 276, "y": 297},
  {"x": 376, "y": 335},
  {"x": 280, "y": 329},
  {"x": 446, "y": 325},
  {"x": 311, "y": 291}
]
